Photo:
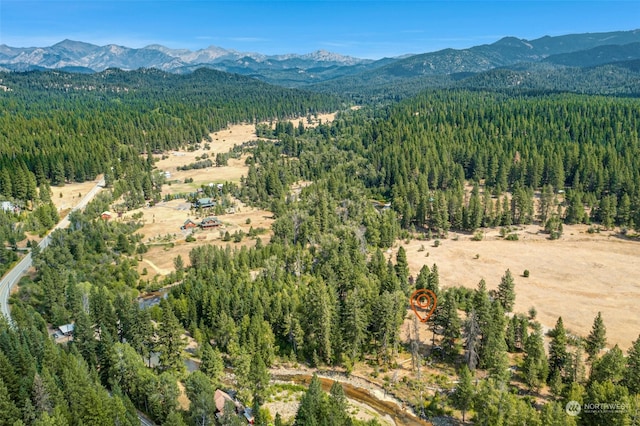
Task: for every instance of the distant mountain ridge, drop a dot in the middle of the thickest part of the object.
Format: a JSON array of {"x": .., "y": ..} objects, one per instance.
[
  {"x": 511, "y": 50},
  {"x": 70, "y": 53},
  {"x": 327, "y": 71}
]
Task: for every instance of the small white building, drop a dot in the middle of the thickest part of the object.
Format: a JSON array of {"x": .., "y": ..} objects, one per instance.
[{"x": 7, "y": 206}]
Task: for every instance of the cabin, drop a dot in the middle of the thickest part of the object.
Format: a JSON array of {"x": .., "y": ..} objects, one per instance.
[
  {"x": 220, "y": 398},
  {"x": 106, "y": 215},
  {"x": 210, "y": 222},
  {"x": 66, "y": 330},
  {"x": 204, "y": 203},
  {"x": 189, "y": 224}
]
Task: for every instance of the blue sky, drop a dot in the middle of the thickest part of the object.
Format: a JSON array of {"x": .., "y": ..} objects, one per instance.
[{"x": 366, "y": 29}]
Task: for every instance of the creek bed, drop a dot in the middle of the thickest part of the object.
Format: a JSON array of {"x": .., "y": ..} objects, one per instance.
[{"x": 401, "y": 416}]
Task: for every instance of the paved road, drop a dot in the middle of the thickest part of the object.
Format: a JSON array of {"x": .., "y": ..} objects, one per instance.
[{"x": 13, "y": 276}]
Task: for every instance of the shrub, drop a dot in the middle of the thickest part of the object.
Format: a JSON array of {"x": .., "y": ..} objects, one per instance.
[
  {"x": 436, "y": 243},
  {"x": 237, "y": 236},
  {"x": 553, "y": 227},
  {"x": 525, "y": 273},
  {"x": 190, "y": 238},
  {"x": 512, "y": 237},
  {"x": 478, "y": 236}
]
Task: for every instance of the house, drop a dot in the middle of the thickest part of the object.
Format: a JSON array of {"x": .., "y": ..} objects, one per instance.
[
  {"x": 220, "y": 398},
  {"x": 204, "y": 203},
  {"x": 188, "y": 224},
  {"x": 106, "y": 215},
  {"x": 66, "y": 330},
  {"x": 7, "y": 206},
  {"x": 210, "y": 222}
]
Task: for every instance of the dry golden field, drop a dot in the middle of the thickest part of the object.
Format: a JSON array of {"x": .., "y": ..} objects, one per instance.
[{"x": 573, "y": 277}]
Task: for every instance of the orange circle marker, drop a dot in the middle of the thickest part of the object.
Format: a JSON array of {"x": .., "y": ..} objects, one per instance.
[{"x": 426, "y": 301}]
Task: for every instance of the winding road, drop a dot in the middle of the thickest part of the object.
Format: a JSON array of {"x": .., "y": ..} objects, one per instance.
[{"x": 13, "y": 276}]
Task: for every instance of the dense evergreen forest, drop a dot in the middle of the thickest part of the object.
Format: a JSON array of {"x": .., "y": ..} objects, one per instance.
[
  {"x": 393, "y": 83},
  {"x": 460, "y": 160},
  {"x": 71, "y": 127},
  {"x": 321, "y": 291}
]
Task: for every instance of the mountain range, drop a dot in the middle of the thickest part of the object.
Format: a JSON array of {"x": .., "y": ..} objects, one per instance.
[
  {"x": 81, "y": 56},
  {"x": 324, "y": 70}
]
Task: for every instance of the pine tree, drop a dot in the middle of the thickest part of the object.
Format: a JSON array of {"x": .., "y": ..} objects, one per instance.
[
  {"x": 450, "y": 323},
  {"x": 494, "y": 355},
  {"x": 535, "y": 367},
  {"x": 558, "y": 357},
  {"x": 422, "y": 281},
  {"x": 319, "y": 314},
  {"x": 201, "y": 396},
  {"x": 312, "y": 407},
  {"x": 337, "y": 406},
  {"x": 174, "y": 419},
  {"x": 575, "y": 366},
  {"x": 597, "y": 340},
  {"x": 9, "y": 413},
  {"x": 229, "y": 416},
  {"x": 613, "y": 394},
  {"x": 170, "y": 342},
  {"x": 212, "y": 364},
  {"x": 464, "y": 392},
  {"x": 353, "y": 324},
  {"x": 278, "y": 420},
  {"x": 546, "y": 203},
  {"x": 84, "y": 338},
  {"x": 506, "y": 293},
  {"x": 554, "y": 414},
  {"x": 611, "y": 367},
  {"x": 259, "y": 379},
  {"x": 475, "y": 210},
  {"x": 632, "y": 376},
  {"x": 163, "y": 398},
  {"x": 402, "y": 268}
]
